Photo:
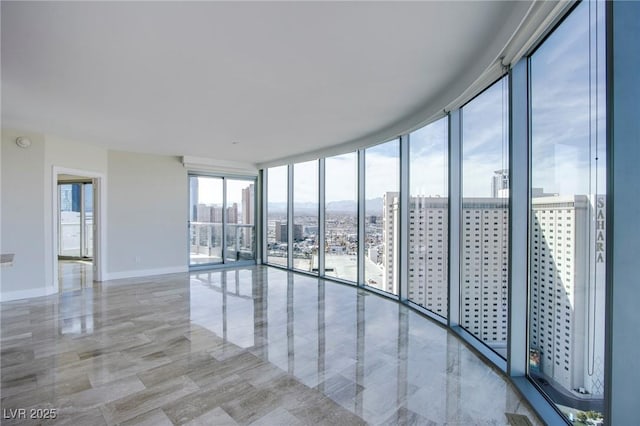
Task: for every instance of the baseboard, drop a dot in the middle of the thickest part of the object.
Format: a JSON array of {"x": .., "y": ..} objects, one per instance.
[
  {"x": 144, "y": 273},
  {"x": 7, "y": 296}
]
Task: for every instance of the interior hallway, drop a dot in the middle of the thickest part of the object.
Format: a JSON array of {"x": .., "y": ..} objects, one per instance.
[{"x": 254, "y": 345}]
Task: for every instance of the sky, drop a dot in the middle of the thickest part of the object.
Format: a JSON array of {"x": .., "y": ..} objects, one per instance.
[
  {"x": 210, "y": 190},
  {"x": 563, "y": 153},
  {"x": 341, "y": 173},
  {"x": 428, "y": 160},
  {"x": 484, "y": 139}
]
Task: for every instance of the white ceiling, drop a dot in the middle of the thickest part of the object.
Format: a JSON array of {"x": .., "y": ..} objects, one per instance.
[{"x": 278, "y": 78}]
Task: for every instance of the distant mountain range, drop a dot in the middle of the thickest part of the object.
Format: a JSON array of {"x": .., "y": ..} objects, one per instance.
[{"x": 374, "y": 205}]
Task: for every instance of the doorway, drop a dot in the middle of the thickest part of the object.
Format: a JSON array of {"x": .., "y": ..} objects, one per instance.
[
  {"x": 78, "y": 204},
  {"x": 75, "y": 231},
  {"x": 221, "y": 220}
]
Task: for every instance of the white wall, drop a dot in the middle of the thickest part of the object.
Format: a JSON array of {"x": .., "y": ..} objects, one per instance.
[
  {"x": 23, "y": 224},
  {"x": 75, "y": 154},
  {"x": 147, "y": 210}
]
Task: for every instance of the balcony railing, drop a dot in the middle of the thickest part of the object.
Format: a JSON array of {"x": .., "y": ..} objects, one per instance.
[
  {"x": 205, "y": 240},
  {"x": 70, "y": 239}
]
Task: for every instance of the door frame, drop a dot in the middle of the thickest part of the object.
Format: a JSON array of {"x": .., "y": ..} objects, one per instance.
[{"x": 99, "y": 221}]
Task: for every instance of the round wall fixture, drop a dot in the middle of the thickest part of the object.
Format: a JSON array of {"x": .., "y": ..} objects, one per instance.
[{"x": 23, "y": 142}]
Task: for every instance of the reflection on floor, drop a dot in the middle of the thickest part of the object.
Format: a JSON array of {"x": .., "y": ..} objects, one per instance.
[
  {"x": 74, "y": 274},
  {"x": 253, "y": 345}
]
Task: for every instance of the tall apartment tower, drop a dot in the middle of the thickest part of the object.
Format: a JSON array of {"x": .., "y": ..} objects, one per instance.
[
  {"x": 248, "y": 212},
  {"x": 193, "y": 197}
]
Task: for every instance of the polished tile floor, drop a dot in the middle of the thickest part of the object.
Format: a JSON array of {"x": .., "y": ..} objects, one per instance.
[
  {"x": 74, "y": 274},
  {"x": 255, "y": 345}
]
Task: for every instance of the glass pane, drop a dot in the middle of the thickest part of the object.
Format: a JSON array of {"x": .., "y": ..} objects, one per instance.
[
  {"x": 341, "y": 216},
  {"x": 88, "y": 220},
  {"x": 277, "y": 183},
  {"x": 382, "y": 184},
  {"x": 485, "y": 217},
  {"x": 305, "y": 216},
  {"x": 567, "y": 253},
  {"x": 205, "y": 228},
  {"x": 428, "y": 221},
  {"x": 240, "y": 235},
  {"x": 70, "y": 221}
]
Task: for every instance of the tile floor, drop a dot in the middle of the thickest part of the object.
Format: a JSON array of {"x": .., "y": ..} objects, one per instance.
[
  {"x": 75, "y": 274},
  {"x": 256, "y": 345}
]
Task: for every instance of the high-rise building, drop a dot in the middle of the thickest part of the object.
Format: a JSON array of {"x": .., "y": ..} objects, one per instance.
[
  {"x": 232, "y": 213},
  {"x": 216, "y": 214},
  {"x": 282, "y": 229},
  {"x": 484, "y": 259},
  {"x": 562, "y": 277},
  {"x": 564, "y": 280},
  {"x": 390, "y": 232},
  {"x": 204, "y": 213},
  {"x": 428, "y": 253},
  {"x": 248, "y": 197},
  {"x": 500, "y": 184},
  {"x": 193, "y": 197},
  {"x": 281, "y": 232},
  {"x": 484, "y": 269}
]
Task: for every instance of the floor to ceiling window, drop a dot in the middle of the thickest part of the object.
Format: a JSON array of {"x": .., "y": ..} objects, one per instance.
[
  {"x": 382, "y": 216},
  {"x": 567, "y": 253},
  {"x": 428, "y": 217},
  {"x": 485, "y": 217},
  {"x": 564, "y": 247},
  {"x": 221, "y": 220},
  {"x": 277, "y": 202},
  {"x": 341, "y": 216},
  {"x": 305, "y": 216}
]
